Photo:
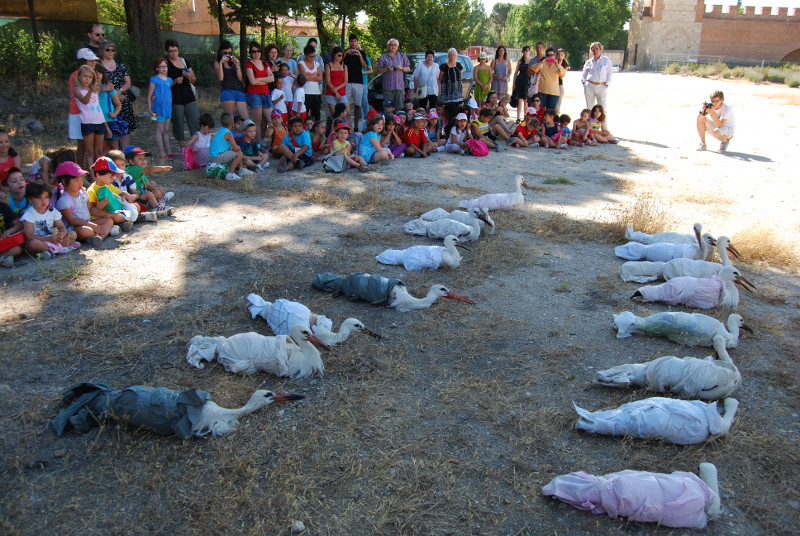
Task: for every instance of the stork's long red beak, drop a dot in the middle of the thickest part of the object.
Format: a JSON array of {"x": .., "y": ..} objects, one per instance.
[
  {"x": 464, "y": 246},
  {"x": 522, "y": 182},
  {"x": 456, "y": 296},
  {"x": 733, "y": 251},
  {"x": 371, "y": 333},
  {"x": 317, "y": 342},
  {"x": 484, "y": 218},
  {"x": 286, "y": 397}
]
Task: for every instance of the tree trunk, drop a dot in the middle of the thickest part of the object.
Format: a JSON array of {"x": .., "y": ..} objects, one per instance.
[
  {"x": 263, "y": 32},
  {"x": 323, "y": 38},
  {"x": 243, "y": 44},
  {"x": 146, "y": 29},
  {"x": 275, "y": 25},
  {"x": 128, "y": 17},
  {"x": 344, "y": 25},
  {"x": 34, "y": 27}
]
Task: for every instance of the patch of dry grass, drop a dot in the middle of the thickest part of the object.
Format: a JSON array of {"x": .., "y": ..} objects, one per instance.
[
  {"x": 761, "y": 245},
  {"x": 701, "y": 197}
]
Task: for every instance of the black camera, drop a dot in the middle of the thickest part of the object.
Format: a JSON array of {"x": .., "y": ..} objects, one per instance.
[{"x": 708, "y": 105}]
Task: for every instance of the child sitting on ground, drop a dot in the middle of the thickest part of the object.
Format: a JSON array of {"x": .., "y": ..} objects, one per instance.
[
  {"x": 11, "y": 239},
  {"x": 138, "y": 169},
  {"x": 338, "y": 113},
  {"x": 279, "y": 99},
  {"x": 299, "y": 100},
  {"x": 105, "y": 199},
  {"x": 295, "y": 150},
  {"x": 370, "y": 148},
  {"x": 252, "y": 157},
  {"x": 42, "y": 169},
  {"x": 597, "y": 123},
  {"x": 417, "y": 143},
  {"x": 9, "y": 158},
  {"x": 566, "y": 132},
  {"x": 276, "y": 131},
  {"x": 402, "y": 122},
  {"x": 45, "y": 233},
  {"x": 319, "y": 139},
  {"x": 237, "y": 127},
  {"x": 390, "y": 138},
  {"x": 527, "y": 132},
  {"x": 341, "y": 146},
  {"x": 73, "y": 203},
  {"x": 148, "y": 205},
  {"x": 201, "y": 141},
  {"x": 14, "y": 187},
  {"x": 581, "y": 132},
  {"x": 551, "y": 131},
  {"x": 489, "y": 136},
  {"x": 224, "y": 149},
  {"x": 459, "y": 134},
  {"x": 434, "y": 131}
]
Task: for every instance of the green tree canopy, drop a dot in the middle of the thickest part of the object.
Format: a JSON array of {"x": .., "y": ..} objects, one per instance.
[{"x": 421, "y": 24}]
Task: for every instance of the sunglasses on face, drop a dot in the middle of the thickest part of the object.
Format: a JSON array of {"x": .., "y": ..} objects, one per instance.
[
  {"x": 255, "y": 52},
  {"x": 99, "y": 35},
  {"x": 111, "y": 50},
  {"x": 536, "y": 100},
  {"x": 716, "y": 100}
]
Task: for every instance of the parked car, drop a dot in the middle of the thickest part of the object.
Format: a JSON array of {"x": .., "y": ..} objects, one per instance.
[{"x": 375, "y": 86}]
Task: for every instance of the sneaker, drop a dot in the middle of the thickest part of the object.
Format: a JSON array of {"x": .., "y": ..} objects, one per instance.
[
  {"x": 498, "y": 147},
  {"x": 74, "y": 246},
  {"x": 7, "y": 261},
  {"x": 440, "y": 149},
  {"x": 232, "y": 177},
  {"x": 244, "y": 172},
  {"x": 299, "y": 164},
  {"x": 461, "y": 152},
  {"x": 417, "y": 155},
  {"x": 168, "y": 197},
  {"x": 402, "y": 155},
  {"x": 114, "y": 230},
  {"x": 565, "y": 146},
  {"x": 94, "y": 241},
  {"x": 509, "y": 141},
  {"x": 45, "y": 255},
  {"x": 126, "y": 226},
  {"x": 701, "y": 147},
  {"x": 264, "y": 142},
  {"x": 724, "y": 145},
  {"x": 162, "y": 210},
  {"x": 147, "y": 216},
  {"x": 262, "y": 167},
  {"x": 282, "y": 164},
  {"x": 362, "y": 168}
]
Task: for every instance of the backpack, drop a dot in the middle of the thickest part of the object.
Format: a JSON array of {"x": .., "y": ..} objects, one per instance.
[
  {"x": 334, "y": 164},
  {"x": 477, "y": 147},
  {"x": 189, "y": 158}
]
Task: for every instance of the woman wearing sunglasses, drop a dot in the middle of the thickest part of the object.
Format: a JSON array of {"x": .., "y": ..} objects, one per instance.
[{"x": 120, "y": 78}]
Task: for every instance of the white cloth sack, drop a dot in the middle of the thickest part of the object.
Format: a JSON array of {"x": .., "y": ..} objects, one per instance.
[
  {"x": 634, "y": 251},
  {"x": 414, "y": 258},
  {"x": 243, "y": 353},
  {"x": 281, "y": 315}
]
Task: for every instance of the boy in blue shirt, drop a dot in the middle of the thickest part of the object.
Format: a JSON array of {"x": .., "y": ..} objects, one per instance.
[
  {"x": 295, "y": 150},
  {"x": 224, "y": 149}
]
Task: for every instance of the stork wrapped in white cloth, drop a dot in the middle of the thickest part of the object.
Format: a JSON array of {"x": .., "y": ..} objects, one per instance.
[
  {"x": 642, "y": 271},
  {"x": 680, "y": 499},
  {"x": 459, "y": 215},
  {"x": 282, "y": 314},
  {"x": 248, "y": 353},
  {"x": 672, "y": 238},
  {"x": 683, "y": 422},
  {"x": 414, "y": 258},
  {"x": 691, "y": 329},
  {"x": 688, "y": 377},
  {"x": 634, "y": 251}
]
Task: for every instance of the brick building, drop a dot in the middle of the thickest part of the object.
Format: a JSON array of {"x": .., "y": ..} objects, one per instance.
[{"x": 694, "y": 31}]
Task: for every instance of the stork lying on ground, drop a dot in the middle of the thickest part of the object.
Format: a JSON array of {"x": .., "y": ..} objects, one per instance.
[
  {"x": 161, "y": 410},
  {"x": 663, "y": 251},
  {"x": 282, "y": 315},
  {"x": 683, "y": 422},
  {"x": 499, "y": 201},
  {"x": 442, "y": 228},
  {"x": 646, "y": 271},
  {"x": 671, "y": 238},
  {"x": 291, "y": 356},
  {"x": 691, "y": 329},
  {"x": 680, "y": 499},
  {"x": 697, "y": 292},
  {"x": 379, "y": 290},
  {"x": 459, "y": 215},
  {"x": 425, "y": 257},
  {"x": 688, "y": 377}
]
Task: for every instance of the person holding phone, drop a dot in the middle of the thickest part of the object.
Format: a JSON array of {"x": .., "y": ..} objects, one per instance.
[
  {"x": 355, "y": 60},
  {"x": 229, "y": 73},
  {"x": 549, "y": 73}
]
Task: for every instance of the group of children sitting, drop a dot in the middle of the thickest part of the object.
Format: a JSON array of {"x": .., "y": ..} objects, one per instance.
[{"x": 51, "y": 213}]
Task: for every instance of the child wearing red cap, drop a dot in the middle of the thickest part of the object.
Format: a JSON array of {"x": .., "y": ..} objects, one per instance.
[
  {"x": 45, "y": 233},
  {"x": 73, "y": 203},
  {"x": 105, "y": 198},
  {"x": 341, "y": 146}
]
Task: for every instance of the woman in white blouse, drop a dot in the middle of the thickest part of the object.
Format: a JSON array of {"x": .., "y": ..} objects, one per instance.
[{"x": 426, "y": 81}]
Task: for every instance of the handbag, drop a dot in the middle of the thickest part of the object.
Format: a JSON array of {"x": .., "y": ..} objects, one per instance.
[
  {"x": 189, "y": 158},
  {"x": 119, "y": 127},
  {"x": 334, "y": 163},
  {"x": 477, "y": 147},
  {"x": 533, "y": 88}
]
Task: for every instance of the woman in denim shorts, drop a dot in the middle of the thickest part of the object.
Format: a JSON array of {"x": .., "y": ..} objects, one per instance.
[
  {"x": 259, "y": 76},
  {"x": 229, "y": 73}
]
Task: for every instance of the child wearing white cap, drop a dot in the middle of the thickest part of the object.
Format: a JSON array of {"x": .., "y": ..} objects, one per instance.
[{"x": 458, "y": 136}]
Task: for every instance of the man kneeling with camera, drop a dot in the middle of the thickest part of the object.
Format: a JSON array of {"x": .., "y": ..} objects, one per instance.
[{"x": 716, "y": 119}]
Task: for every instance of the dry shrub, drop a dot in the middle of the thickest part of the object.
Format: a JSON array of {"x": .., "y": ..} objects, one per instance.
[
  {"x": 647, "y": 214},
  {"x": 761, "y": 245}
]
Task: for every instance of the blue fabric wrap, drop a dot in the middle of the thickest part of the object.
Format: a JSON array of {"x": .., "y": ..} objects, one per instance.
[{"x": 371, "y": 288}]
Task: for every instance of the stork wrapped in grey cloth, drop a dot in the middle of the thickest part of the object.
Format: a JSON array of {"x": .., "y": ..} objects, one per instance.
[
  {"x": 159, "y": 409},
  {"x": 371, "y": 288}
]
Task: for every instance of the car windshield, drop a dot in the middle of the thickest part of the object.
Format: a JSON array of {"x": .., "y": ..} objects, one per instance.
[{"x": 439, "y": 58}]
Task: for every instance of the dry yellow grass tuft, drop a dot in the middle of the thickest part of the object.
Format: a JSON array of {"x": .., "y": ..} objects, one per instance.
[{"x": 760, "y": 245}]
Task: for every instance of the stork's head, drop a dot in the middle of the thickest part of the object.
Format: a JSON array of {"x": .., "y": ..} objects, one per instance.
[
  {"x": 735, "y": 320},
  {"x": 262, "y": 398},
  {"x": 302, "y": 333},
  {"x": 725, "y": 242},
  {"x": 356, "y": 325},
  {"x": 729, "y": 273},
  {"x": 521, "y": 181},
  {"x": 489, "y": 220},
  {"x": 451, "y": 240},
  {"x": 444, "y": 292}
]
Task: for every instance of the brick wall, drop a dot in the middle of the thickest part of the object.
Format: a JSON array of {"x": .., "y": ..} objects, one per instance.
[{"x": 749, "y": 36}]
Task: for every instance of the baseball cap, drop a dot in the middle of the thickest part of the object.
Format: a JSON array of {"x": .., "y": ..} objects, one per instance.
[
  {"x": 87, "y": 54},
  {"x": 483, "y": 56},
  {"x": 69, "y": 168},
  {"x": 12, "y": 170},
  {"x": 104, "y": 163},
  {"x": 370, "y": 114},
  {"x": 531, "y": 111},
  {"x": 401, "y": 112},
  {"x": 462, "y": 116},
  {"x": 472, "y": 103},
  {"x": 276, "y": 113},
  {"x": 340, "y": 126},
  {"x": 433, "y": 115},
  {"x": 418, "y": 116},
  {"x": 247, "y": 123},
  {"x": 389, "y": 102},
  {"x": 132, "y": 150}
]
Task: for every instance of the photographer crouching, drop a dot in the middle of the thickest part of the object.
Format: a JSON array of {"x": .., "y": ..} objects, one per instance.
[{"x": 716, "y": 119}]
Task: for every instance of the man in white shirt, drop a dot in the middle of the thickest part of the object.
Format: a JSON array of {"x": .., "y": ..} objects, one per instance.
[
  {"x": 716, "y": 118},
  {"x": 596, "y": 76}
]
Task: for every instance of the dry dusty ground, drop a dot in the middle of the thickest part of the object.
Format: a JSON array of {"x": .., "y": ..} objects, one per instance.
[{"x": 454, "y": 422}]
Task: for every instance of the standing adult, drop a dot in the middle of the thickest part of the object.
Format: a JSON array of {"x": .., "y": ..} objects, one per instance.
[
  {"x": 355, "y": 60},
  {"x": 272, "y": 59},
  {"x": 483, "y": 77},
  {"x": 549, "y": 72},
  {"x": 120, "y": 78},
  {"x": 311, "y": 69},
  {"x": 533, "y": 87},
  {"x": 184, "y": 103},
  {"x": 521, "y": 81},
  {"x": 561, "y": 59},
  {"x": 336, "y": 81},
  {"x": 426, "y": 81},
  {"x": 499, "y": 67},
  {"x": 228, "y": 69},
  {"x": 313, "y": 44},
  {"x": 95, "y": 35},
  {"x": 259, "y": 76},
  {"x": 450, "y": 87},
  {"x": 596, "y": 76},
  {"x": 393, "y": 65}
]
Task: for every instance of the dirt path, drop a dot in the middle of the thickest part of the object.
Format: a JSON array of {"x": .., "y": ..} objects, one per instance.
[{"x": 454, "y": 422}]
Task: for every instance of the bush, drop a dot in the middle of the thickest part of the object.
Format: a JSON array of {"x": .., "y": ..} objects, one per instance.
[
  {"x": 753, "y": 75},
  {"x": 727, "y": 73},
  {"x": 673, "y": 68},
  {"x": 793, "y": 80},
  {"x": 738, "y": 72},
  {"x": 705, "y": 71},
  {"x": 693, "y": 65},
  {"x": 776, "y": 75}
]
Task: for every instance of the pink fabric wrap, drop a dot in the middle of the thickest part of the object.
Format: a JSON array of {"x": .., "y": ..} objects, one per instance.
[
  {"x": 700, "y": 293},
  {"x": 675, "y": 500}
]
